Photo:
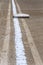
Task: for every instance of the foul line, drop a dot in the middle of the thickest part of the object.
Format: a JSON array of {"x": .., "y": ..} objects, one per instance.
[{"x": 20, "y": 51}]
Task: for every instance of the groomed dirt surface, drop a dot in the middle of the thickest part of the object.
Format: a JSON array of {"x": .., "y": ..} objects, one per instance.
[{"x": 34, "y": 25}]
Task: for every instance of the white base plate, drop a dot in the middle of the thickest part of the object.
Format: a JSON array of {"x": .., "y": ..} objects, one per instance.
[{"x": 21, "y": 16}]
